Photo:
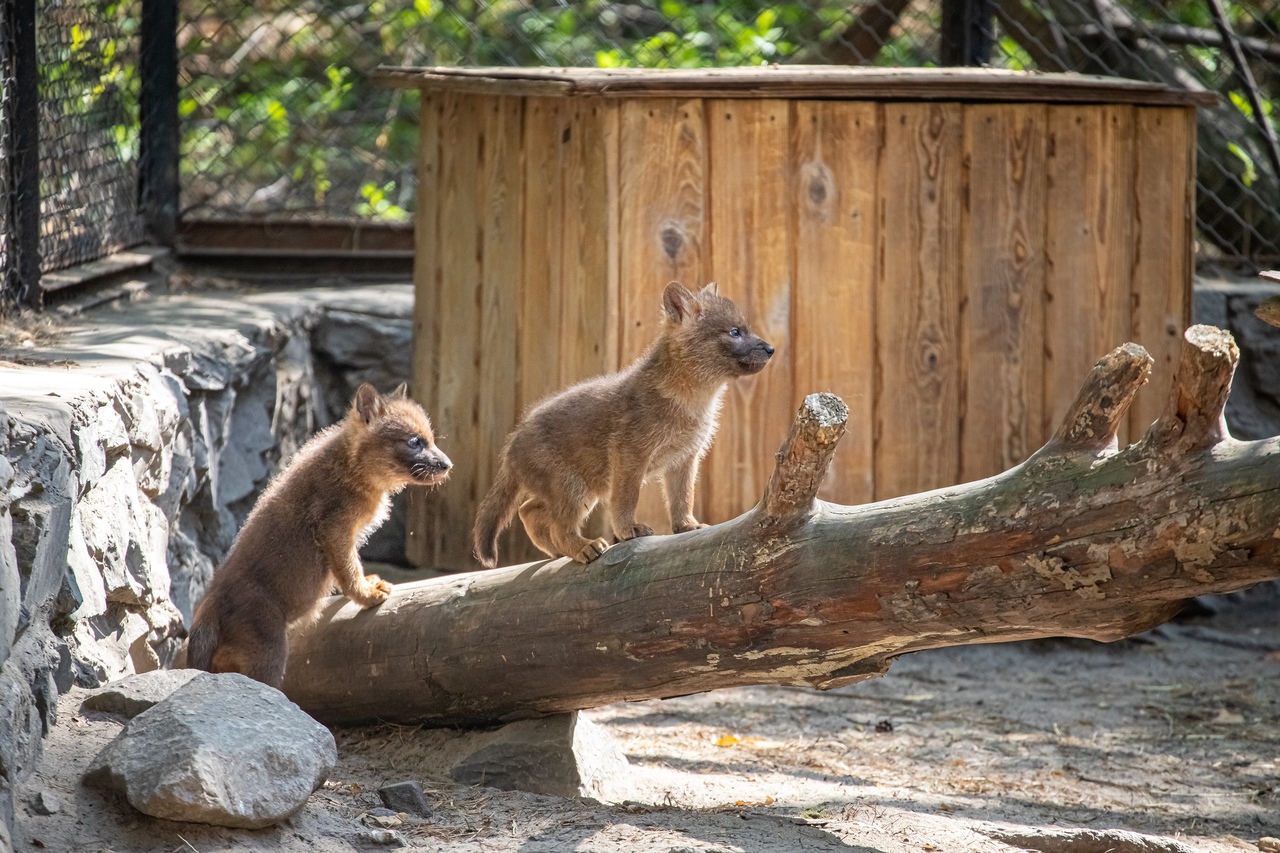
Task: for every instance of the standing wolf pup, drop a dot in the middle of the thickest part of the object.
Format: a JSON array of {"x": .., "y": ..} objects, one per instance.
[
  {"x": 303, "y": 534},
  {"x": 601, "y": 438}
]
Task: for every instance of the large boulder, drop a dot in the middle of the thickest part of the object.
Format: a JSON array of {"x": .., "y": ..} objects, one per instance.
[{"x": 222, "y": 749}]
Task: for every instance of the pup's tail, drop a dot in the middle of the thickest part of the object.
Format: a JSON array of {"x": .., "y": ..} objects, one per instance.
[
  {"x": 202, "y": 643},
  {"x": 494, "y": 516}
]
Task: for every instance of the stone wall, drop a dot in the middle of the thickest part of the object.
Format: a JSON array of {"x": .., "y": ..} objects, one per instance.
[{"x": 132, "y": 445}]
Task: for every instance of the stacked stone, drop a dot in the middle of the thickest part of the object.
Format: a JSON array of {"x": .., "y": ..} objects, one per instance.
[{"x": 131, "y": 448}]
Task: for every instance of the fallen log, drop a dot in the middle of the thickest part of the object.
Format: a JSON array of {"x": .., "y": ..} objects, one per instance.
[{"x": 1081, "y": 540}]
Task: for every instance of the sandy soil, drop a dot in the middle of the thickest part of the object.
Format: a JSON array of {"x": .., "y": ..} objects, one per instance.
[{"x": 1176, "y": 733}]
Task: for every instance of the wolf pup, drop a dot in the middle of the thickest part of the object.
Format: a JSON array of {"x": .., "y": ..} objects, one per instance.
[
  {"x": 301, "y": 538},
  {"x": 601, "y": 438}
]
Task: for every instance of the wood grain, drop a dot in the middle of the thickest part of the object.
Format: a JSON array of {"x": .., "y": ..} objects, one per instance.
[
  {"x": 585, "y": 324},
  {"x": 419, "y": 543},
  {"x": 751, "y": 262},
  {"x": 1003, "y": 328},
  {"x": 1164, "y": 183},
  {"x": 589, "y": 320},
  {"x": 1089, "y": 245},
  {"x": 544, "y": 156},
  {"x": 461, "y": 224},
  {"x": 500, "y": 290},
  {"x": 918, "y": 293},
  {"x": 662, "y": 166},
  {"x": 836, "y": 150}
]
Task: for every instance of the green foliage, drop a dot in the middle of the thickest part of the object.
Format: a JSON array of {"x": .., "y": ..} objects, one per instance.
[
  {"x": 88, "y": 70},
  {"x": 279, "y": 115},
  {"x": 1248, "y": 172}
]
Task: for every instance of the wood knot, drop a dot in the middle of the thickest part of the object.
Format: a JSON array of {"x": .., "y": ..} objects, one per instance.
[
  {"x": 672, "y": 240},
  {"x": 817, "y": 190}
]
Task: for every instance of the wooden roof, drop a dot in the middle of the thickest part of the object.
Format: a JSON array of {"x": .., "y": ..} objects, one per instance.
[{"x": 796, "y": 81}]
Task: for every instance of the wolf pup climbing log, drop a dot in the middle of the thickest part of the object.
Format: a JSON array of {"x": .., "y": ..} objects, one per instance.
[
  {"x": 601, "y": 438},
  {"x": 302, "y": 537}
]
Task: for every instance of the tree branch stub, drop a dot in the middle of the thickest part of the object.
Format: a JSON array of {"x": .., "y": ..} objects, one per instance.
[
  {"x": 1194, "y": 419},
  {"x": 803, "y": 460},
  {"x": 1094, "y": 419}
]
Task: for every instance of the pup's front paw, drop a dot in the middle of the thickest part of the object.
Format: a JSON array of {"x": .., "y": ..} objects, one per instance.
[
  {"x": 686, "y": 526},
  {"x": 591, "y": 551},
  {"x": 374, "y": 592},
  {"x": 638, "y": 531}
]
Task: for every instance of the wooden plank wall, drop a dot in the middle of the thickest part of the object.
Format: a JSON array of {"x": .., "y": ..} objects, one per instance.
[
  {"x": 516, "y": 297},
  {"x": 1090, "y": 232},
  {"x": 1004, "y": 298},
  {"x": 1162, "y": 257},
  {"x": 951, "y": 271},
  {"x": 836, "y": 148},
  {"x": 751, "y": 202},
  {"x": 917, "y": 302},
  {"x": 661, "y": 238}
]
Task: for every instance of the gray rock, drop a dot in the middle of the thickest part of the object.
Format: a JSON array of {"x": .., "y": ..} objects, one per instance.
[
  {"x": 132, "y": 695},
  {"x": 222, "y": 749},
  {"x": 45, "y": 802},
  {"x": 564, "y": 755},
  {"x": 10, "y": 587},
  {"x": 405, "y": 797}
]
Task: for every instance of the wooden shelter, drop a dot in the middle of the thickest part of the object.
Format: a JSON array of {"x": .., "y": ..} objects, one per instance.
[{"x": 946, "y": 250}]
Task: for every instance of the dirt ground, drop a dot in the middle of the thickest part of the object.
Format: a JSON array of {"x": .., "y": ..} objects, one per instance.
[{"x": 1175, "y": 733}]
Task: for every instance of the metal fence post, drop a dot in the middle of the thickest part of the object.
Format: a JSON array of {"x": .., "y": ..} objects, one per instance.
[
  {"x": 22, "y": 154},
  {"x": 158, "y": 109},
  {"x": 968, "y": 32}
]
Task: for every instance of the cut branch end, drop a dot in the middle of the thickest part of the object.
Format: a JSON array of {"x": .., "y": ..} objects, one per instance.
[
  {"x": 803, "y": 459},
  {"x": 1194, "y": 417},
  {"x": 1094, "y": 418}
]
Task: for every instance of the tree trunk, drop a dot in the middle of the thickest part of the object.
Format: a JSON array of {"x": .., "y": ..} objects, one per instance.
[{"x": 1080, "y": 540}]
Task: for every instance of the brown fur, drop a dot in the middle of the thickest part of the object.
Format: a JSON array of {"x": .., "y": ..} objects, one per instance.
[
  {"x": 601, "y": 438},
  {"x": 302, "y": 536}
]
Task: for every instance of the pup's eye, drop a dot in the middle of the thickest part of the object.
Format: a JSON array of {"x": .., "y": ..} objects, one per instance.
[
  {"x": 415, "y": 443},
  {"x": 735, "y": 332}
]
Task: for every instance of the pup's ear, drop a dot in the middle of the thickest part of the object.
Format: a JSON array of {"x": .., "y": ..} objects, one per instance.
[
  {"x": 677, "y": 301},
  {"x": 401, "y": 392},
  {"x": 367, "y": 404},
  {"x": 712, "y": 289}
]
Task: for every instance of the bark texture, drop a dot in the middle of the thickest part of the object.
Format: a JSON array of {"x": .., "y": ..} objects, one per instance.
[{"x": 1080, "y": 540}]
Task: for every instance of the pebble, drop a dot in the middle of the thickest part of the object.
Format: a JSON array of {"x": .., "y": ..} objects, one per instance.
[
  {"x": 406, "y": 796},
  {"x": 45, "y": 802},
  {"x": 383, "y": 837}
]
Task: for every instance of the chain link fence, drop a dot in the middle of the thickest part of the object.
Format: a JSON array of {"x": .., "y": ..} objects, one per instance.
[
  {"x": 88, "y": 92},
  {"x": 279, "y": 118}
]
